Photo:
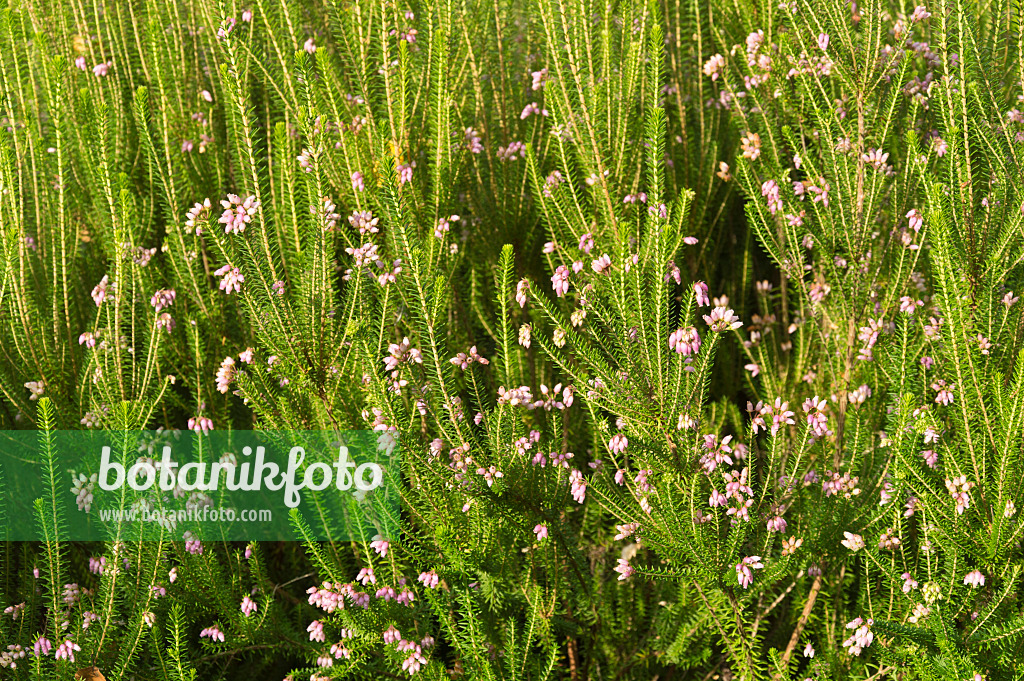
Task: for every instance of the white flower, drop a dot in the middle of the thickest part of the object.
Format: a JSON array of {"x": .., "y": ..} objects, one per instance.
[
  {"x": 854, "y": 542},
  {"x": 974, "y": 579}
]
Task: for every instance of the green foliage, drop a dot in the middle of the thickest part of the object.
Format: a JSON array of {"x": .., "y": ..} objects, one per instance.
[{"x": 488, "y": 228}]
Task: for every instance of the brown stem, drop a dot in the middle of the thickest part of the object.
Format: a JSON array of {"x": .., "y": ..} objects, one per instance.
[
  {"x": 802, "y": 622},
  {"x": 572, "y": 657}
]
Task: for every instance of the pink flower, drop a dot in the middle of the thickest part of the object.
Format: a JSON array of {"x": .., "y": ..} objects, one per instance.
[
  {"x": 819, "y": 290},
  {"x": 672, "y": 273},
  {"x": 541, "y": 530},
  {"x": 42, "y": 647},
  {"x": 414, "y": 662},
  {"x": 509, "y": 153},
  {"x": 587, "y": 243},
  {"x": 945, "y": 393},
  {"x": 861, "y": 638},
  {"x": 908, "y": 305},
  {"x": 103, "y": 290},
  {"x": 405, "y": 172},
  {"x": 213, "y": 633},
  {"x": 817, "y": 420},
  {"x": 165, "y": 322},
  {"x": 958, "y": 489},
  {"x": 226, "y": 26},
  {"x": 920, "y": 14},
  {"x": 357, "y": 181},
  {"x": 232, "y": 279},
  {"x": 909, "y": 583},
  {"x": 162, "y": 298},
  {"x": 316, "y": 631},
  {"x": 770, "y": 190},
  {"x": 685, "y": 341},
  {"x": 309, "y": 46},
  {"x": 624, "y": 569},
  {"x": 618, "y": 443},
  {"x": 823, "y": 41},
  {"x": 200, "y": 424},
  {"x": 578, "y": 486},
  {"x": 627, "y": 530},
  {"x": 429, "y": 579},
  {"x": 532, "y": 109},
  {"x": 521, "y": 288},
  {"x": 99, "y": 71},
  {"x": 602, "y": 264},
  {"x": 380, "y": 545},
  {"x": 67, "y": 650},
  {"x": 701, "y": 290},
  {"x": 722, "y": 319},
  {"x": 366, "y": 576},
  {"x": 238, "y": 212},
  {"x": 392, "y": 635},
  {"x": 539, "y": 78},
  {"x": 463, "y": 360},
  {"x": 444, "y": 225},
  {"x": 916, "y": 220},
  {"x": 248, "y": 606},
  {"x": 560, "y": 281},
  {"x": 80, "y": 63},
  {"x": 225, "y": 374},
  {"x": 714, "y": 66},
  {"x": 745, "y": 568},
  {"x": 854, "y": 542}
]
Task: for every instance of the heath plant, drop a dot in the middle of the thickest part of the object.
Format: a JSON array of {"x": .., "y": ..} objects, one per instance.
[{"x": 696, "y": 324}]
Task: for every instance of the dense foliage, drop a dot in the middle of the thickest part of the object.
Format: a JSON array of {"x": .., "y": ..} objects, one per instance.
[{"x": 696, "y": 323}]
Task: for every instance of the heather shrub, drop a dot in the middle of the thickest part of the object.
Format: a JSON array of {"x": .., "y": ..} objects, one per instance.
[{"x": 695, "y": 324}]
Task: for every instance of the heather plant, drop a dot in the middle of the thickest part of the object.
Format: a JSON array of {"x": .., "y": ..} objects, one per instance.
[{"x": 694, "y": 323}]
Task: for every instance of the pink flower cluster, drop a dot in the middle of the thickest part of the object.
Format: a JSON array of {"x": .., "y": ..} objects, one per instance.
[
  {"x": 722, "y": 319},
  {"x": 778, "y": 414},
  {"x": 958, "y": 489},
  {"x": 861, "y": 638},
  {"x": 817, "y": 419},
  {"x": 213, "y": 633},
  {"x": 330, "y": 597},
  {"x": 716, "y": 453},
  {"x": 685, "y": 341},
  {"x": 237, "y": 213},
  {"x": 745, "y": 568},
  {"x": 463, "y": 360}
]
